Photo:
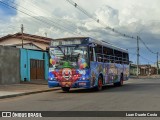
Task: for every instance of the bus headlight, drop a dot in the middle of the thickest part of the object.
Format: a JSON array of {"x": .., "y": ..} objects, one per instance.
[
  {"x": 51, "y": 76},
  {"x": 85, "y": 77}
]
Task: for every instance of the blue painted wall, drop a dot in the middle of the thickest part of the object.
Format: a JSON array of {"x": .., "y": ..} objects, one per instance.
[{"x": 26, "y": 55}]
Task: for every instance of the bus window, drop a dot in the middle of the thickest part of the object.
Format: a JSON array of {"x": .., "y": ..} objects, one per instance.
[
  {"x": 99, "y": 53},
  {"x": 110, "y": 55},
  {"x": 105, "y": 57},
  {"x": 125, "y": 58},
  {"x": 118, "y": 56},
  {"x": 92, "y": 54}
]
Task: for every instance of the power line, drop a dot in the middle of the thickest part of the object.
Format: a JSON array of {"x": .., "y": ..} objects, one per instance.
[
  {"x": 46, "y": 12},
  {"x": 63, "y": 21},
  {"x": 53, "y": 20},
  {"x": 41, "y": 20},
  {"x": 99, "y": 21},
  {"x": 32, "y": 12},
  {"x": 146, "y": 59},
  {"x": 112, "y": 29},
  {"x": 107, "y": 27},
  {"x": 147, "y": 46},
  {"x": 14, "y": 2},
  {"x": 56, "y": 19}
]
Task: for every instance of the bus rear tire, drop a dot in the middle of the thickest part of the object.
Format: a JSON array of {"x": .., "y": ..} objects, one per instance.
[
  {"x": 120, "y": 83},
  {"x": 100, "y": 84},
  {"x": 65, "y": 89}
]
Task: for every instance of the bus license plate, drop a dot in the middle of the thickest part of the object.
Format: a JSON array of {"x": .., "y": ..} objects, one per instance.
[{"x": 82, "y": 84}]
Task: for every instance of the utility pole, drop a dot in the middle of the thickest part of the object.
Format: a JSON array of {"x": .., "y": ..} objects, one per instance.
[
  {"x": 148, "y": 69},
  {"x": 137, "y": 56},
  {"x": 157, "y": 63},
  {"x": 22, "y": 33}
]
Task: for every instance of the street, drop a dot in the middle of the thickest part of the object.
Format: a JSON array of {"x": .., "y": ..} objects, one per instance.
[{"x": 135, "y": 95}]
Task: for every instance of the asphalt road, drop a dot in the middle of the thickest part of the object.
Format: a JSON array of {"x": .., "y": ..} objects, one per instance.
[{"x": 135, "y": 95}]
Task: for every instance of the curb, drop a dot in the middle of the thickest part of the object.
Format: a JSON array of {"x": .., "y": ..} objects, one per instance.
[
  {"x": 34, "y": 83},
  {"x": 27, "y": 93}
]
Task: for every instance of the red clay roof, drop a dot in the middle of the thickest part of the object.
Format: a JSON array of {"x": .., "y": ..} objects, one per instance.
[{"x": 30, "y": 37}]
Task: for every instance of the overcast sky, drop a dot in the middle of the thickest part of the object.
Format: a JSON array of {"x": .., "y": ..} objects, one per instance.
[{"x": 61, "y": 19}]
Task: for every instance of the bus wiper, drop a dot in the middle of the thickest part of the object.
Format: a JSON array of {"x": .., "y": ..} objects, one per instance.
[{"x": 61, "y": 50}]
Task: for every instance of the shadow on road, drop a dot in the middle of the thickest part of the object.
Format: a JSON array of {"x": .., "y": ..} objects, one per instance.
[
  {"x": 92, "y": 90},
  {"x": 129, "y": 87}
]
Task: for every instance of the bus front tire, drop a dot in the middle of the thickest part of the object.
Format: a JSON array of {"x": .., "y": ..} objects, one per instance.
[{"x": 66, "y": 89}]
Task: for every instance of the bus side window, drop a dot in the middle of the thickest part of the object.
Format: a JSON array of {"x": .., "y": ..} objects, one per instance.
[
  {"x": 92, "y": 54},
  {"x": 125, "y": 58},
  {"x": 99, "y": 53},
  {"x": 110, "y": 55},
  {"x": 118, "y": 56},
  {"x": 105, "y": 57}
]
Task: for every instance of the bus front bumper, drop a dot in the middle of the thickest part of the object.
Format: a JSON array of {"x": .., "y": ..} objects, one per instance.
[
  {"x": 82, "y": 84},
  {"x": 52, "y": 83},
  {"x": 77, "y": 84}
]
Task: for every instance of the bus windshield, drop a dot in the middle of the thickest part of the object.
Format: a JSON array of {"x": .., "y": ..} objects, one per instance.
[{"x": 76, "y": 55}]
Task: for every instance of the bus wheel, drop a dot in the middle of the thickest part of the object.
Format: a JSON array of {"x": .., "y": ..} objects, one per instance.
[
  {"x": 120, "y": 83},
  {"x": 66, "y": 89},
  {"x": 121, "y": 80},
  {"x": 100, "y": 84}
]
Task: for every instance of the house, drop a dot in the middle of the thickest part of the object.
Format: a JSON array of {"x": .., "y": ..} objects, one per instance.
[
  {"x": 34, "y": 59},
  {"x": 26, "y": 41},
  {"x": 143, "y": 70},
  {"x": 133, "y": 69},
  {"x": 147, "y": 70}
]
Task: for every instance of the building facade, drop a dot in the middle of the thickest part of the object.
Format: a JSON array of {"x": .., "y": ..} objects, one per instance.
[
  {"x": 33, "y": 54},
  {"x": 33, "y": 64},
  {"x": 144, "y": 70},
  {"x": 26, "y": 41}
]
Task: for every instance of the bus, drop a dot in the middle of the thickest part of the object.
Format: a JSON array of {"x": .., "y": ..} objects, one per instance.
[{"x": 83, "y": 62}]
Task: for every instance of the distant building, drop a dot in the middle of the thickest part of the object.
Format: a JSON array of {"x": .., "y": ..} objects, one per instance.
[
  {"x": 34, "y": 59},
  {"x": 143, "y": 70},
  {"x": 133, "y": 69}
]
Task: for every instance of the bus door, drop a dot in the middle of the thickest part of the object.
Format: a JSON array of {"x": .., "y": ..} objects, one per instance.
[{"x": 93, "y": 64}]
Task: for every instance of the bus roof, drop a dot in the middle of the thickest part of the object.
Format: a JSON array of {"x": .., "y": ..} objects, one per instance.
[
  {"x": 91, "y": 40},
  {"x": 107, "y": 44}
]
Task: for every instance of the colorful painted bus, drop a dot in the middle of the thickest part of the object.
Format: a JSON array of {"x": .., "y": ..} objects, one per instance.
[{"x": 83, "y": 62}]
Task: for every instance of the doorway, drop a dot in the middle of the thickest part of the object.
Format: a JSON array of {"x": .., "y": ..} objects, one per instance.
[{"x": 37, "y": 69}]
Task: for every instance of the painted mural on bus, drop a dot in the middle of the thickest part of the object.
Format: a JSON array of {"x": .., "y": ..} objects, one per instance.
[{"x": 86, "y": 63}]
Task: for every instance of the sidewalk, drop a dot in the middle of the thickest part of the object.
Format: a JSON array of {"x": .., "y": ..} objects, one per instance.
[
  {"x": 13, "y": 90},
  {"x": 146, "y": 77}
]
